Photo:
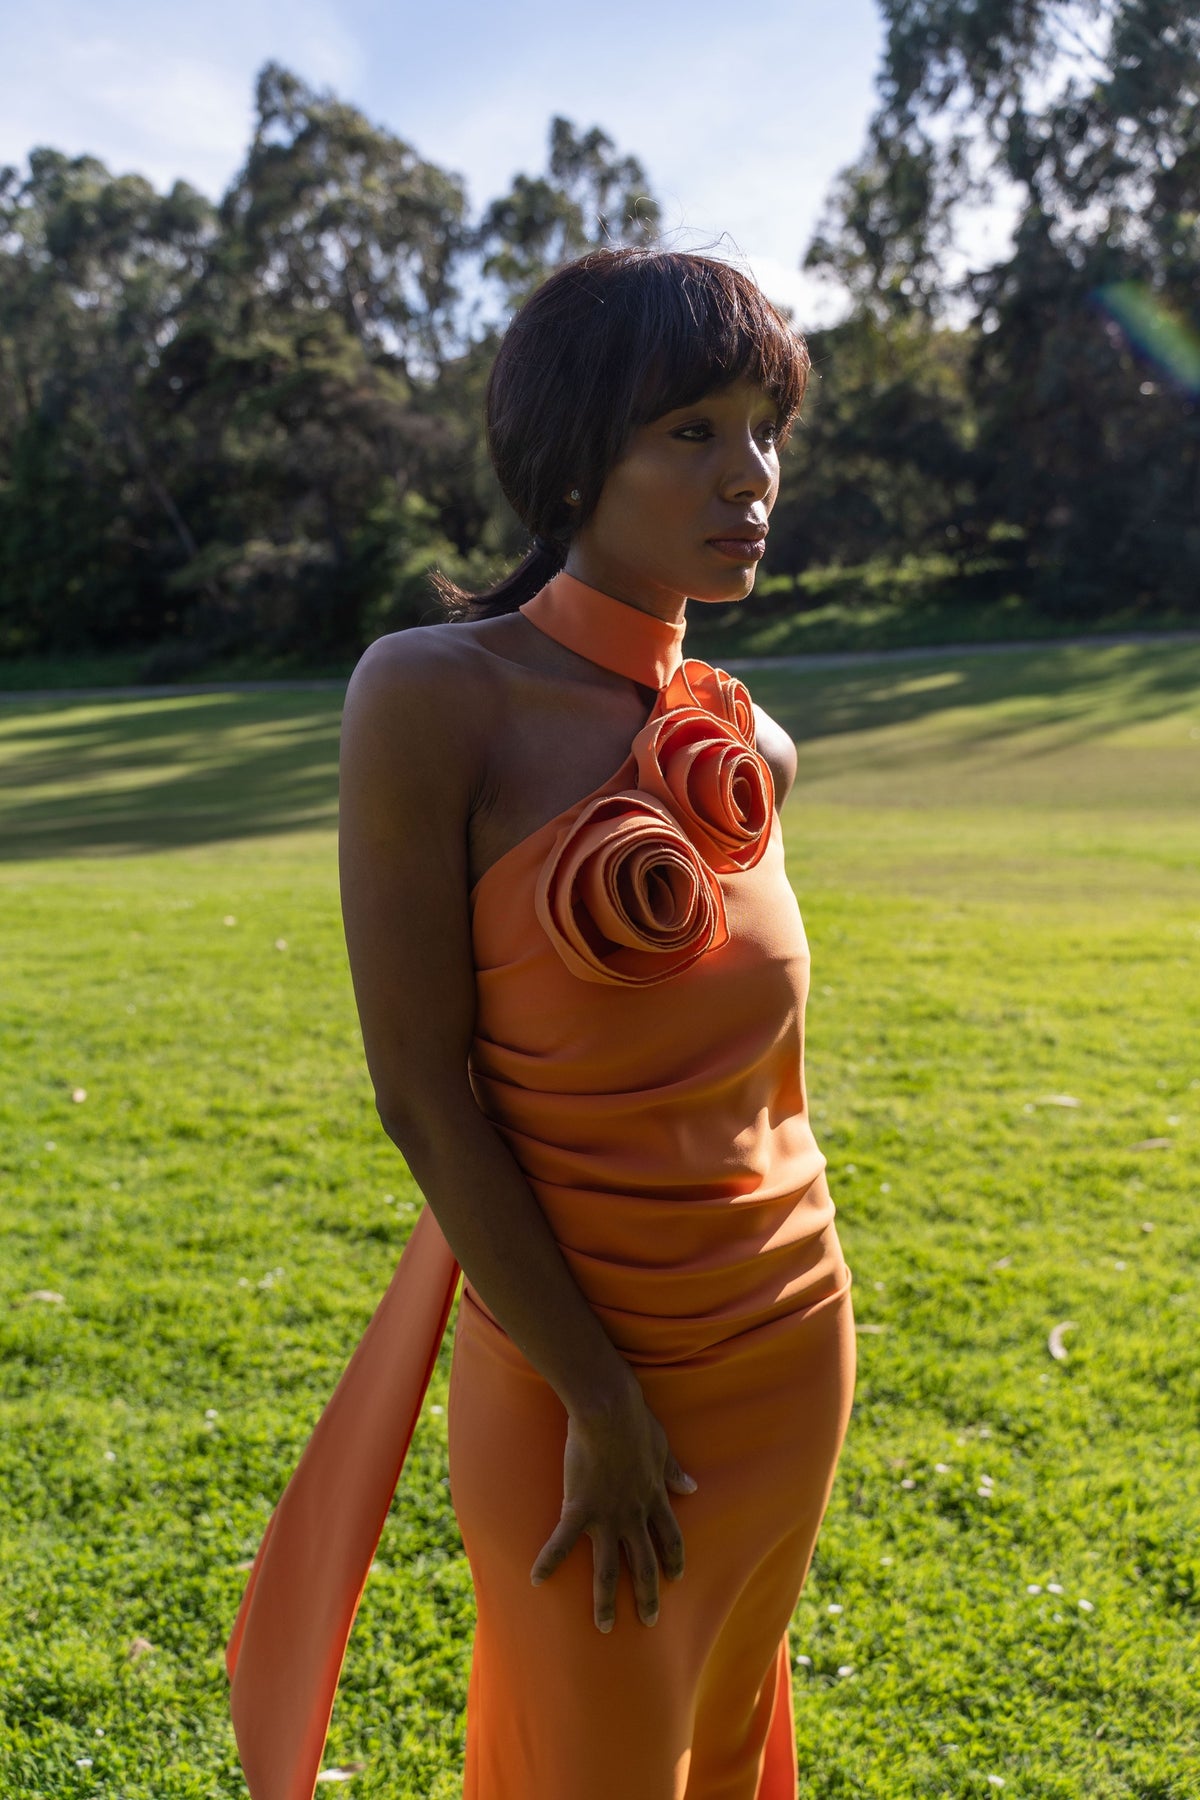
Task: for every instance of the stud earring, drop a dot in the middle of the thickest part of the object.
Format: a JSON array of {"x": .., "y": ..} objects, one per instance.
[{"x": 574, "y": 496}]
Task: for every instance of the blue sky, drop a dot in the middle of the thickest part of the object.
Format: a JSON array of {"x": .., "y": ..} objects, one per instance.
[{"x": 742, "y": 116}]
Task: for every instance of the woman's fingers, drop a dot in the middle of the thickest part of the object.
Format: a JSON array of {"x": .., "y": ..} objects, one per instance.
[
  {"x": 612, "y": 1494},
  {"x": 606, "y": 1567},
  {"x": 664, "y": 1523},
  {"x": 606, "y": 1573},
  {"x": 676, "y": 1480},
  {"x": 643, "y": 1567},
  {"x": 557, "y": 1548},
  {"x": 669, "y": 1539}
]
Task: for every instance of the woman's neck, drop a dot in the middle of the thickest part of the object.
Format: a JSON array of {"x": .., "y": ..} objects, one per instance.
[
  {"x": 609, "y": 576},
  {"x": 620, "y": 637}
]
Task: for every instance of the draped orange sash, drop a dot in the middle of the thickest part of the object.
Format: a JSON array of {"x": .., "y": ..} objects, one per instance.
[{"x": 288, "y": 1643}]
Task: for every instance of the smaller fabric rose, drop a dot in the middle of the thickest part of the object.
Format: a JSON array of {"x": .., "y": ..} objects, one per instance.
[
  {"x": 715, "y": 691},
  {"x": 624, "y": 897},
  {"x": 719, "y": 789}
]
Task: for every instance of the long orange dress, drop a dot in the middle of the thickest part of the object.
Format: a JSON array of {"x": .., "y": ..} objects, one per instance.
[{"x": 642, "y": 972}]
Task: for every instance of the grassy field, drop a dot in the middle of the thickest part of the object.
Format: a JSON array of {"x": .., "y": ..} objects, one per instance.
[{"x": 997, "y": 864}]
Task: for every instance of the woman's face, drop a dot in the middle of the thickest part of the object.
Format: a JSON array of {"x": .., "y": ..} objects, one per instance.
[{"x": 684, "y": 512}]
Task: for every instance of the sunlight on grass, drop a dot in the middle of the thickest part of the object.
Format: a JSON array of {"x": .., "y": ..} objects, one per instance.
[{"x": 997, "y": 867}]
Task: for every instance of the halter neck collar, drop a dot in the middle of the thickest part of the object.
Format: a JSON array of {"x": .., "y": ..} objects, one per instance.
[{"x": 607, "y": 631}]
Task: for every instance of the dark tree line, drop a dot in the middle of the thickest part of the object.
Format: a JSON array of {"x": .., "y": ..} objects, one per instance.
[{"x": 258, "y": 423}]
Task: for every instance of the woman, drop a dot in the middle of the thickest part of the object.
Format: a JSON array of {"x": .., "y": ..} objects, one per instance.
[{"x": 581, "y": 976}]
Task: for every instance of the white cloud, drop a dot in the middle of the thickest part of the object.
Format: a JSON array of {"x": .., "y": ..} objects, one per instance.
[
  {"x": 147, "y": 96},
  {"x": 813, "y": 302},
  {"x": 741, "y": 136}
]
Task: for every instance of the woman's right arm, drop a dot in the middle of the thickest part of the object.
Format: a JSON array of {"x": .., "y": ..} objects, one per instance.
[{"x": 414, "y": 737}]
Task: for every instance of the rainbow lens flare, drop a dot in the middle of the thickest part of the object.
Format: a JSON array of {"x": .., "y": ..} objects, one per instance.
[{"x": 1161, "y": 335}]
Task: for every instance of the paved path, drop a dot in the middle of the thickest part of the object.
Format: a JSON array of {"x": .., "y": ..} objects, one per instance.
[
  {"x": 849, "y": 659},
  {"x": 834, "y": 659}
]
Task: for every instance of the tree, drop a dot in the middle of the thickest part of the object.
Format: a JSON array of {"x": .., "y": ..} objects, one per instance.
[
  {"x": 1088, "y": 453},
  {"x": 261, "y": 423},
  {"x": 880, "y": 462},
  {"x": 588, "y": 197},
  {"x": 332, "y": 212},
  {"x": 94, "y": 270}
]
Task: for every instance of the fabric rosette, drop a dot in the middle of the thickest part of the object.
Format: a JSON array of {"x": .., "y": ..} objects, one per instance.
[
  {"x": 715, "y": 691},
  {"x": 718, "y": 787},
  {"x": 624, "y": 896}
]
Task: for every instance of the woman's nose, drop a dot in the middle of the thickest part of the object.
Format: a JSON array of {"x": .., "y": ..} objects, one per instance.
[{"x": 751, "y": 472}]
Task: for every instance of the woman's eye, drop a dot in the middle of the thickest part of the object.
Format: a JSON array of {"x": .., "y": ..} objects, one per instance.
[{"x": 699, "y": 432}]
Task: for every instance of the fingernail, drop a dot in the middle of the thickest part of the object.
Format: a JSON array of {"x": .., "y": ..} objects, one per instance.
[
  {"x": 650, "y": 1619},
  {"x": 691, "y": 1485},
  {"x": 605, "y": 1624}
]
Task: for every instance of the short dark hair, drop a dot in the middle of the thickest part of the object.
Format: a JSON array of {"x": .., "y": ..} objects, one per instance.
[{"x": 603, "y": 346}]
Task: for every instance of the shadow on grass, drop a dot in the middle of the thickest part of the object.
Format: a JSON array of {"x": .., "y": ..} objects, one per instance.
[
  {"x": 85, "y": 778},
  {"x": 136, "y": 776},
  {"x": 1073, "y": 690}
]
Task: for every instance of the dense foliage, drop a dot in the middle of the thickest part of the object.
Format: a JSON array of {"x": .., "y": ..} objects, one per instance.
[
  {"x": 259, "y": 422},
  {"x": 1059, "y": 419}
]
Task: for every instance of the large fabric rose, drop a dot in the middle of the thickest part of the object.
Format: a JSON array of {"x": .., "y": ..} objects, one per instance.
[
  {"x": 624, "y": 897},
  {"x": 719, "y": 789},
  {"x": 715, "y": 691}
]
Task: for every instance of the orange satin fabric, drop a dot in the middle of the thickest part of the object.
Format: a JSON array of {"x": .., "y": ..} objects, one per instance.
[
  {"x": 641, "y": 972},
  {"x": 288, "y": 1642}
]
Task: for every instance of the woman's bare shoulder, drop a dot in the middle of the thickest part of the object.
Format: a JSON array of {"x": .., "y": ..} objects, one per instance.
[
  {"x": 428, "y": 689},
  {"x": 777, "y": 750},
  {"x": 442, "y": 661}
]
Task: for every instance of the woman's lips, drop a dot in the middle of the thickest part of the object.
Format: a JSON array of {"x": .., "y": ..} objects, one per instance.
[{"x": 740, "y": 549}]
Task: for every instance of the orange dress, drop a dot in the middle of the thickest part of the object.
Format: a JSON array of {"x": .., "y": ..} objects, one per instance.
[{"x": 641, "y": 972}]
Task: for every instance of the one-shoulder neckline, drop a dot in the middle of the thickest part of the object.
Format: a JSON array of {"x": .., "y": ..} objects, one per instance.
[
  {"x": 538, "y": 830},
  {"x": 553, "y": 676},
  {"x": 625, "y": 773}
]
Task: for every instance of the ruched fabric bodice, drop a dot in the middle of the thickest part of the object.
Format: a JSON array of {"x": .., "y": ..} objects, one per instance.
[{"x": 663, "y": 1122}]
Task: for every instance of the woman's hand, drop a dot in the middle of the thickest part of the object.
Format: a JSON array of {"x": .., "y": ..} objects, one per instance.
[{"x": 617, "y": 1470}]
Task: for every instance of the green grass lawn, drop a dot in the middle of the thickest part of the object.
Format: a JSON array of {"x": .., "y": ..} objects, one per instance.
[{"x": 997, "y": 864}]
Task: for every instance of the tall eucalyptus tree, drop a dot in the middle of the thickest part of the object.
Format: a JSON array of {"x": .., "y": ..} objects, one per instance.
[{"x": 1084, "y": 374}]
